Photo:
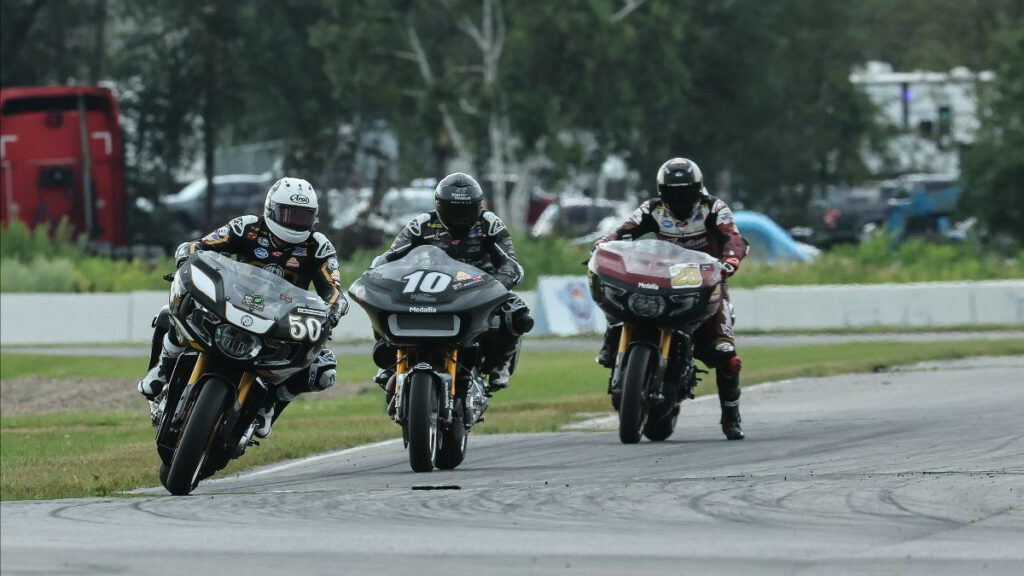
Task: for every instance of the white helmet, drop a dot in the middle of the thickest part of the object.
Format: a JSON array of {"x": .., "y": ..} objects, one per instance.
[{"x": 290, "y": 210}]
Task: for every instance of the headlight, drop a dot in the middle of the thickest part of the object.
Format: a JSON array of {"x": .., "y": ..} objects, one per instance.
[
  {"x": 683, "y": 303},
  {"x": 236, "y": 343},
  {"x": 646, "y": 306},
  {"x": 611, "y": 294}
]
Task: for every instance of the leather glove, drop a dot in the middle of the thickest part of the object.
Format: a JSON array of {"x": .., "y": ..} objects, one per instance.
[{"x": 730, "y": 266}]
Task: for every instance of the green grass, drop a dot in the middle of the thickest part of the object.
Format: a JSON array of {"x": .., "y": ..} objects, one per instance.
[{"x": 74, "y": 455}]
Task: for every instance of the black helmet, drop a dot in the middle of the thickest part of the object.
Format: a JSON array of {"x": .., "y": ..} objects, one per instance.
[
  {"x": 458, "y": 199},
  {"x": 680, "y": 184}
]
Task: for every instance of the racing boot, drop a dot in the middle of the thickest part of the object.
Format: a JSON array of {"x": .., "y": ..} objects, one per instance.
[
  {"x": 731, "y": 422},
  {"x": 727, "y": 377},
  {"x": 264, "y": 419},
  {"x": 610, "y": 346},
  {"x": 382, "y": 377},
  {"x": 154, "y": 381},
  {"x": 498, "y": 379}
]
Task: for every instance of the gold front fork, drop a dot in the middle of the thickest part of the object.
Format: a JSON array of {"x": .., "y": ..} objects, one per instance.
[
  {"x": 450, "y": 364},
  {"x": 666, "y": 343},
  {"x": 627, "y": 335}
]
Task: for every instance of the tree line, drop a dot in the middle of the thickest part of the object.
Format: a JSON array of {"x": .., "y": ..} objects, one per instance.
[{"x": 757, "y": 92}]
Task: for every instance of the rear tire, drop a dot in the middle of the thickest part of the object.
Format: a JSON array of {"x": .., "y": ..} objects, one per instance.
[
  {"x": 190, "y": 454},
  {"x": 659, "y": 427},
  {"x": 421, "y": 424},
  {"x": 633, "y": 410},
  {"x": 453, "y": 444}
]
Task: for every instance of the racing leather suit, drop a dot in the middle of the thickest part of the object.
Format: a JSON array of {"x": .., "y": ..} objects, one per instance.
[
  {"x": 710, "y": 228},
  {"x": 249, "y": 240},
  {"x": 488, "y": 246}
]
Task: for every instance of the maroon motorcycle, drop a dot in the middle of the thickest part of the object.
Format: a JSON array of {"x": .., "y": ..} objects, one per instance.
[{"x": 661, "y": 293}]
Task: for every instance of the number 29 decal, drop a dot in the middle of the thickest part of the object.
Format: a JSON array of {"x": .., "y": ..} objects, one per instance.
[
  {"x": 684, "y": 275},
  {"x": 302, "y": 327},
  {"x": 429, "y": 282}
]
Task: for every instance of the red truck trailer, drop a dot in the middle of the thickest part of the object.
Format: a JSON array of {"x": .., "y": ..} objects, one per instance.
[{"x": 61, "y": 156}]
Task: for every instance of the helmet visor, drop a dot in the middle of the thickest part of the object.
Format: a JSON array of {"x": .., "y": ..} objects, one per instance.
[
  {"x": 680, "y": 199},
  {"x": 458, "y": 216},
  {"x": 293, "y": 217}
]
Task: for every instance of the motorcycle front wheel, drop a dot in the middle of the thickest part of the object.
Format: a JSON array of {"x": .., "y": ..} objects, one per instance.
[
  {"x": 195, "y": 439},
  {"x": 421, "y": 424},
  {"x": 633, "y": 408}
]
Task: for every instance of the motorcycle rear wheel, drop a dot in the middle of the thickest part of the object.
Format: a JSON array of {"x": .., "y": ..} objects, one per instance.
[
  {"x": 192, "y": 450},
  {"x": 660, "y": 426},
  {"x": 421, "y": 423},
  {"x": 633, "y": 408},
  {"x": 453, "y": 443}
]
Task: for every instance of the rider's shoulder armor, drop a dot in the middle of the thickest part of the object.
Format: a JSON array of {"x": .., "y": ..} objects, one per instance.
[
  {"x": 324, "y": 248},
  {"x": 238, "y": 225},
  {"x": 494, "y": 224}
]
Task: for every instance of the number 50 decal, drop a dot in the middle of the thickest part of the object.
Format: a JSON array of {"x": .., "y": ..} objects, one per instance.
[
  {"x": 300, "y": 327},
  {"x": 429, "y": 282}
]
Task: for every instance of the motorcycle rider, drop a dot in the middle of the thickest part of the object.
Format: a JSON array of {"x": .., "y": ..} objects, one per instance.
[
  {"x": 466, "y": 232},
  {"x": 282, "y": 242},
  {"x": 687, "y": 215}
]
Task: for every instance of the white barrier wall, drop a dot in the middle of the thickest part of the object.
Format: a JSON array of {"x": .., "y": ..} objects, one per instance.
[{"x": 105, "y": 318}]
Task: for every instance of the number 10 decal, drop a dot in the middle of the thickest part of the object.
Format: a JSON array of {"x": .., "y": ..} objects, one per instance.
[{"x": 429, "y": 282}]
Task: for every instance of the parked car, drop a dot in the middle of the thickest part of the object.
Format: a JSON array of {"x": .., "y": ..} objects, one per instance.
[
  {"x": 234, "y": 194},
  {"x": 769, "y": 242},
  {"x": 580, "y": 216},
  {"x": 856, "y": 212}
]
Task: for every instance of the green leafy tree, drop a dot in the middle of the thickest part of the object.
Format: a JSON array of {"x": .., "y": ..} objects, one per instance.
[{"x": 993, "y": 168}]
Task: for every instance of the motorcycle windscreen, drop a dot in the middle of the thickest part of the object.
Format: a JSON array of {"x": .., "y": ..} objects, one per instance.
[
  {"x": 663, "y": 260},
  {"x": 259, "y": 292},
  {"x": 428, "y": 275}
]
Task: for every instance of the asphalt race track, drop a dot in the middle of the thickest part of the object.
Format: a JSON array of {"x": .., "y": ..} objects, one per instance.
[{"x": 917, "y": 471}]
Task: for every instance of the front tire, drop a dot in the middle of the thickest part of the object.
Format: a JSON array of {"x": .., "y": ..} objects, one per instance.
[
  {"x": 633, "y": 409},
  {"x": 190, "y": 454},
  {"x": 421, "y": 424}
]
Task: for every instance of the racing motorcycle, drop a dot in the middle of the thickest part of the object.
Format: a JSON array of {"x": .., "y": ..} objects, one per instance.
[
  {"x": 662, "y": 293},
  {"x": 431, "y": 311},
  {"x": 246, "y": 330}
]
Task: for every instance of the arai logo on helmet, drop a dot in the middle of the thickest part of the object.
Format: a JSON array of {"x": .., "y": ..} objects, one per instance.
[
  {"x": 299, "y": 199},
  {"x": 422, "y": 309}
]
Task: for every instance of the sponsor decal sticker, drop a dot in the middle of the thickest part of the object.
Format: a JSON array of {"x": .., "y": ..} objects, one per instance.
[
  {"x": 647, "y": 285},
  {"x": 246, "y": 320},
  {"x": 251, "y": 235},
  {"x": 274, "y": 269},
  {"x": 292, "y": 262},
  {"x": 253, "y": 301},
  {"x": 276, "y": 254},
  {"x": 300, "y": 251},
  {"x": 422, "y": 309},
  {"x": 263, "y": 241},
  {"x": 299, "y": 198},
  {"x": 261, "y": 253},
  {"x": 286, "y": 298},
  {"x": 311, "y": 312},
  {"x": 668, "y": 223}
]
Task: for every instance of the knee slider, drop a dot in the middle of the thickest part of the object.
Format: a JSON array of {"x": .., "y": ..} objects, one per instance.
[
  {"x": 726, "y": 358},
  {"x": 324, "y": 372},
  {"x": 384, "y": 356},
  {"x": 516, "y": 317}
]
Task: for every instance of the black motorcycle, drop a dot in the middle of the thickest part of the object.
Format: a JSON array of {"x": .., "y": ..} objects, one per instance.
[
  {"x": 245, "y": 331},
  {"x": 432, "y": 311},
  {"x": 662, "y": 293}
]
